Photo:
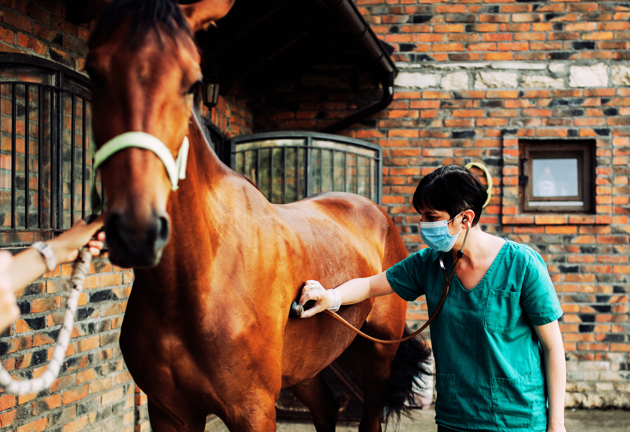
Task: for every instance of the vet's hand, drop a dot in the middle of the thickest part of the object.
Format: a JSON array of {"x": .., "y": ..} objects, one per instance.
[
  {"x": 557, "y": 426},
  {"x": 313, "y": 290}
]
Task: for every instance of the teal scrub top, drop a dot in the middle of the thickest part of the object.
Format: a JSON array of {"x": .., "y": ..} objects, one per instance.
[{"x": 489, "y": 370}]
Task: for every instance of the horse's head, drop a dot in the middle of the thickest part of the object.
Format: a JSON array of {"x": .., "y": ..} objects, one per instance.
[{"x": 144, "y": 67}]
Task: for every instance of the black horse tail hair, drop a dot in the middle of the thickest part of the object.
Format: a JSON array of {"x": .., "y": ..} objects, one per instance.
[{"x": 410, "y": 366}]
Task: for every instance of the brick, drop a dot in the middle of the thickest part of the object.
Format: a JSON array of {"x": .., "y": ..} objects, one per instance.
[
  {"x": 7, "y": 35},
  {"x": 551, "y": 220},
  {"x": 36, "y": 426},
  {"x": 87, "y": 344},
  {"x": 6, "y": 419},
  {"x": 6, "y": 402},
  {"x": 76, "y": 425},
  {"x": 112, "y": 396},
  {"x": 17, "y": 20},
  {"x": 74, "y": 395}
]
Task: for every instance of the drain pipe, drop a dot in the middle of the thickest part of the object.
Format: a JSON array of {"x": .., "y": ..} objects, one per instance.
[
  {"x": 353, "y": 21},
  {"x": 386, "y": 99}
]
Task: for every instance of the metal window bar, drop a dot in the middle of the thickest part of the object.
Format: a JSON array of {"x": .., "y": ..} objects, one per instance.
[
  {"x": 48, "y": 170},
  {"x": 13, "y": 154}
]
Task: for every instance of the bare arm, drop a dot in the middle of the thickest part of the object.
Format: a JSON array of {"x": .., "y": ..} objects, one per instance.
[
  {"x": 556, "y": 370},
  {"x": 18, "y": 271},
  {"x": 28, "y": 265},
  {"x": 351, "y": 292}
]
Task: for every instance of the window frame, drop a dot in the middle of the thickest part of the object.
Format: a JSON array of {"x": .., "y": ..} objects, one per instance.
[
  {"x": 583, "y": 150},
  {"x": 309, "y": 140},
  {"x": 66, "y": 86}
]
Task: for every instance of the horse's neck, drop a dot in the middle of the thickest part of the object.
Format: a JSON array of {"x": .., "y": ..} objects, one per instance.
[
  {"x": 199, "y": 213},
  {"x": 212, "y": 198}
]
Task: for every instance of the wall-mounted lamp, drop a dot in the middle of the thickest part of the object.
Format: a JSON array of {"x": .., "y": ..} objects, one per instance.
[{"x": 210, "y": 92}]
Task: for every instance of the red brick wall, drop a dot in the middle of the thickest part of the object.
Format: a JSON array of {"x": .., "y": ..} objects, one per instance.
[
  {"x": 40, "y": 28},
  {"x": 95, "y": 390},
  {"x": 432, "y": 123},
  {"x": 435, "y": 119},
  {"x": 231, "y": 116},
  {"x": 475, "y": 77}
]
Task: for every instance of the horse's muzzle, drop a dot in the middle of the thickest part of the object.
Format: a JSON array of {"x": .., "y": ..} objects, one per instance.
[{"x": 130, "y": 246}]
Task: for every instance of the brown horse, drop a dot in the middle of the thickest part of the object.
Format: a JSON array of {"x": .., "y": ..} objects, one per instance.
[{"x": 207, "y": 330}]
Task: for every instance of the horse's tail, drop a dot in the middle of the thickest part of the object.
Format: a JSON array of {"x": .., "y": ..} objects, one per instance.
[{"x": 409, "y": 367}]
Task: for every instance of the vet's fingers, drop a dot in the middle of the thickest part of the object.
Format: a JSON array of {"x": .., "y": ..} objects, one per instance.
[
  {"x": 314, "y": 310},
  {"x": 310, "y": 295},
  {"x": 313, "y": 284}
]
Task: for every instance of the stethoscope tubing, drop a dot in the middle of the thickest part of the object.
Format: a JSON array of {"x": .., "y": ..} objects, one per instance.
[{"x": 445, "y": 291}]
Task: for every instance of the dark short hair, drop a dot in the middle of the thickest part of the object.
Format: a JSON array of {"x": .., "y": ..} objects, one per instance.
[{"x": 453, "y": 189}]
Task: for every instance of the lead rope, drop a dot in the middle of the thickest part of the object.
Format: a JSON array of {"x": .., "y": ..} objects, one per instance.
[
  {"x": 7, "y": 382},
  {"x": 460, "y": 255}
]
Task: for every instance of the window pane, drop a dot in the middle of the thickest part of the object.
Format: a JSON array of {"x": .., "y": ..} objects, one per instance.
[
  {"x": 555, "y": 177},
  {"x": 277, "y": 193}
]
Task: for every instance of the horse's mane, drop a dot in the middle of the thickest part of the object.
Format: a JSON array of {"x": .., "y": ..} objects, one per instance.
[
  {"x": 208, "y": 138},
  {"x": 143, "y": 15}
]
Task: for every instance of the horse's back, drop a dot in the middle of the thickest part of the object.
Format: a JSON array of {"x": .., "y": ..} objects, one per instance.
[{"x": 351, "y": 218}]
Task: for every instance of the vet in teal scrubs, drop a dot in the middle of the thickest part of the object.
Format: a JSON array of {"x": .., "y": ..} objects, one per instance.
[{"x": 490, "y": 373}]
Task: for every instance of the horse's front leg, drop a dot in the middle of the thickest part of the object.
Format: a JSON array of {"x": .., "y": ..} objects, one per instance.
[
  {"x": 256, "y": 412},
  {"x": 164, "y": 420}
]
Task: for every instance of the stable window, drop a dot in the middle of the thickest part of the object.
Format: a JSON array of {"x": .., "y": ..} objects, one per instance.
[
  {"x": 45, "y": 116},
  {"x": 289, "y": 166},
  {"x": 557, "y": 176}
]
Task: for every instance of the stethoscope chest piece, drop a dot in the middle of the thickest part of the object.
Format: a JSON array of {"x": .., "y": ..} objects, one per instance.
[{"x": 296, "y": 310}]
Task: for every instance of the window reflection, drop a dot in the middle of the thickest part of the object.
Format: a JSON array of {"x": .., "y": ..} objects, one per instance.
[{"x": 555, "y": 177}]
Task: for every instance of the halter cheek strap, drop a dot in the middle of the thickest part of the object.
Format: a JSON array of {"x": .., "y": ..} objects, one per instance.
[{"x": 176, "y": 169}]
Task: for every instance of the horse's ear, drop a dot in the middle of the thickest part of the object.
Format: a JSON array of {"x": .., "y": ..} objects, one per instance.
[{"x": 204, "y": 12}]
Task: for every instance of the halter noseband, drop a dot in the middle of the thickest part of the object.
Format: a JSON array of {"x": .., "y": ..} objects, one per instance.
[{"x": 176, "y": 169}]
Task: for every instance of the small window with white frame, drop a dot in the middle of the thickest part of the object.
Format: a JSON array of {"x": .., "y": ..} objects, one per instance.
[{"x": 557, "y": 176}]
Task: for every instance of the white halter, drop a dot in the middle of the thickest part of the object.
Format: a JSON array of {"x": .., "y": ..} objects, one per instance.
[{"x": 176, "y": 169}]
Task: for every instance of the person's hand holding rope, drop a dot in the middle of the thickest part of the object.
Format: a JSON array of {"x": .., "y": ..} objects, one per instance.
[{"x": 16, "y": 272}]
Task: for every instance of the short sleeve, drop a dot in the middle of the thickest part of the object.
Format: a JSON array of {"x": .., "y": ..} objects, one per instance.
[
  {"x": 539, "y": 298},
  {"x": 404, "y": 277}
]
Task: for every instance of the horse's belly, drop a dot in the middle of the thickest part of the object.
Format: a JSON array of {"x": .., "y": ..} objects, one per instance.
[{"x": 312, "y": 344}]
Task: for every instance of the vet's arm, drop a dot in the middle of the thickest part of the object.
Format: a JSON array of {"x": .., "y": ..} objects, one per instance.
[
  {"x": 351, "y": 292},
  {"x": 556, "y": 371}
]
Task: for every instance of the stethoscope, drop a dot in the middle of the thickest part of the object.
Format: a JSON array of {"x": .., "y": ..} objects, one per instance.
[{"x": 297, "y": 309}]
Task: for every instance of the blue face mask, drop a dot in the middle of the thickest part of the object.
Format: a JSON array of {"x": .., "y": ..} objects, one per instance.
[{"x": 436, "y": 235}]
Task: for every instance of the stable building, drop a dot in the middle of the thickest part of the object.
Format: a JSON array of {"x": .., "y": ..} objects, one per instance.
[{"x": 320, "y": 95}]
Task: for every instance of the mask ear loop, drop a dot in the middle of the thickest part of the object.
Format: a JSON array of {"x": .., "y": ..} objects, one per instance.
[{"x": 460, "y": 253}]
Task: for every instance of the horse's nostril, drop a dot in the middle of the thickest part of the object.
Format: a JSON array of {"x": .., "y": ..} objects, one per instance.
[
  {"x": 164, "y": 228},
  {"x": 112, "y": 229}
]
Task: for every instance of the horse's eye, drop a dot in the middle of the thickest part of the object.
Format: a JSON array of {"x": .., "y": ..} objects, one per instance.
[{"x": 193, "y": 88}]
